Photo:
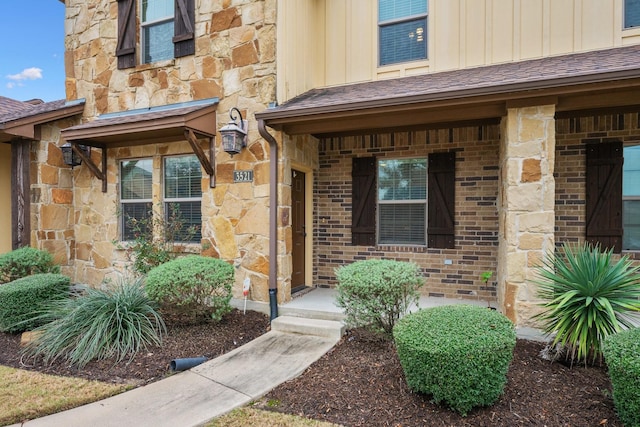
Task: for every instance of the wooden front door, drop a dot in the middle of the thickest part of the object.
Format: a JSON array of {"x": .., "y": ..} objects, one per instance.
[{"x": 299, "y": 232}]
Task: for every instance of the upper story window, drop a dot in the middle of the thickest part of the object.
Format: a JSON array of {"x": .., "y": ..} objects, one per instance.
[
  {"x": 631, "y": 13},
  {"x": 164, "y": 29},
  {"x": 156, "y": 22},
  {"x": 402, "y": 30},
  {"x": 631, "y": 198}
]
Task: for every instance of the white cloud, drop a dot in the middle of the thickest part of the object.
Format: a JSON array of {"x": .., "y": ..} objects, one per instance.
[{"x": 32, "y": 73}]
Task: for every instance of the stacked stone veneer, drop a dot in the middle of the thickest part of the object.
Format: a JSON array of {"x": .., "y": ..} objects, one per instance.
[
  {"x": 526, "y": 206},
  {"x": 235, "y": 62},
  {"x": 476, "y": 215},
  {"x": 51, "y": 198}
]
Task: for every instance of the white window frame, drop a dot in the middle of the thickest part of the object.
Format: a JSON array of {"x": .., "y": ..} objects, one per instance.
[
  {"x": 626, "y": 198},
  {"x": 408, "y": 18},
  {"x": 167, "y": 201},
  {"x": 147, "y": 24},
  {"x": 130, "y": 201},
  {"x": 380, "y": 202}
]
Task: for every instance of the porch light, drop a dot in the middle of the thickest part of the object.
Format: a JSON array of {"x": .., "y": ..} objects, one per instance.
[
  {"x": 70, "y": 157},
  {"x": 234, "y": 134}
]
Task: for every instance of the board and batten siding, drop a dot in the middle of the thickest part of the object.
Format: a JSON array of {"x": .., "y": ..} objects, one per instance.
[{"x": 334, "y": 42}]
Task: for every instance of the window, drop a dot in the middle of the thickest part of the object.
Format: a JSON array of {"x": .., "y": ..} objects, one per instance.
[
  {"x": 402, "y": 201},
  {"x": 402, "y": 27},
  {"x": 135, "y": 195},
  {"x": 166, "y": 30},
  {"x": 157, "y": 30},
  {"x": 631, "y": 13},
  {"x": 631, "y": 198},
  {"x": 183, "y": 194},
  {"x": 182, "y": 181}
]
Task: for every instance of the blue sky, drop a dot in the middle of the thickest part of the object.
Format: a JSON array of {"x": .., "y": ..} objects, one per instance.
[{"x": 32, "y": 49}]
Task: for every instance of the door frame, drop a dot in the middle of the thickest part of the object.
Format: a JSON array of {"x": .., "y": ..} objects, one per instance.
[{"x": 308, "y": 220}]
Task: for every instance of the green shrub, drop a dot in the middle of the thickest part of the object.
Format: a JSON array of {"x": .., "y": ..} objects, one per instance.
[
  {"x": 459, "y": 354},
  {"x": 99, "y": 324},
  {"x": 194, "y": 286},
  {"x": 25, "y": 262},
  {"x": 22, "y": 301},
  {"x": 376, "y": 293},
  {"x": 585, "y": 297},
  {"x": 157, "y": 238},
  {"x": 622, "y": 354}
]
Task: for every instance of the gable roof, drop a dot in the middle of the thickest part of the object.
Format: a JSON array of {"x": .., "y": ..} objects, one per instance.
[
  {"x": 19, "y": 119},
  {"x": 565, "y": 78}
]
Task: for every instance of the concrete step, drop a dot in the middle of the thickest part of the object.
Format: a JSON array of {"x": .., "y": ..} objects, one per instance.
[{"x": 301, "y": 325}]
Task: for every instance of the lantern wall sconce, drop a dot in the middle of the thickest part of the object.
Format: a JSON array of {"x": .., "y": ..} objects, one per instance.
[
  {"x": 234, "y": 134},
  {"x": 70, "y": 157}
]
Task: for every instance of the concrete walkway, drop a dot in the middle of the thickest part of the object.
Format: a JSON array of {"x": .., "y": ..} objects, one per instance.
[{"x": 193, "y": 397}]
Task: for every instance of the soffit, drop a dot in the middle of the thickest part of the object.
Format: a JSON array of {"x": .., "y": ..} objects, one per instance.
[
  {"x": 589, "y": 80},
  {"x": 147, "y": 126}
]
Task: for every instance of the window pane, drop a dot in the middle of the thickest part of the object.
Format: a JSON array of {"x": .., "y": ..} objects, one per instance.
[
  {"x": 134, "y": 216},
  {"x": 402, "y": 179},
  {"x": 182, "y": 177},
  {"x": 394, "y": 9},
  {"x": 402, "y": 223},
  {"x": 631, "y": 13},
  {"x": 153, "y": 10},
  {"x": 631, "y": 171},
  {"x": 631, "y": 224},
  {"x": 405, "y": 41},
  {"x": 135, "y": 179},
  {"x": 158, "y": 44},
  {"x": 190, "y": 216}
]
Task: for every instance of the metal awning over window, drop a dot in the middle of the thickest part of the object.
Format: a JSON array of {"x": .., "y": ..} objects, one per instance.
[{"x": 190, "y": 121}]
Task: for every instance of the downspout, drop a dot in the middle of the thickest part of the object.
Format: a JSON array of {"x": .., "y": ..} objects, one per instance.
[{"x": 273, "y": 218}]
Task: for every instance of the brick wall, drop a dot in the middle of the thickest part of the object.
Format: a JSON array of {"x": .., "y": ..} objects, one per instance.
[
  {"x": 571, "y": 136},
  {"x": 476, "y": 217}
]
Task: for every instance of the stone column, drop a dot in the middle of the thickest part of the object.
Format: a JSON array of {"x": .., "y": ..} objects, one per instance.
[{"x": 525, "y": 206}]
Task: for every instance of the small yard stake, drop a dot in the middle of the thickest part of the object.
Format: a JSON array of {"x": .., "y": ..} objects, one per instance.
[{"x": 245, "y": 292}]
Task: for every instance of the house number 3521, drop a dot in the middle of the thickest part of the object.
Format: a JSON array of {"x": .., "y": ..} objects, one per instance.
[{"x": 242, "y": 176}]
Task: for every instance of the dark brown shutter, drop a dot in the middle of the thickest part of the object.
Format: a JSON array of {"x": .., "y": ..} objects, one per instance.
[
  {"x": 126, "y": 48},
  {"x": 363, "y": 198},
  {"x": 184, "y": 40},
  {"x": 604, "y": 195},
  {"x": 441, "y": 200}
]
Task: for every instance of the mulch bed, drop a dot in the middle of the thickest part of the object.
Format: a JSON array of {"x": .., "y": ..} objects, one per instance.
[
  {"x": 182, "y": 341},
  {"x": 360, "y": 381}
]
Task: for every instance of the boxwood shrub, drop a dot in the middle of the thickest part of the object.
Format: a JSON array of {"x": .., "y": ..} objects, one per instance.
[
  {"x": 459, "y": 354},
  {"x": 193, "y": 287},
  {"x": 23, "y": 301},
  {"x": 622, "y": 354},
  {"x": 375, "y": 293},
  {"x": 24, "y": 262}
]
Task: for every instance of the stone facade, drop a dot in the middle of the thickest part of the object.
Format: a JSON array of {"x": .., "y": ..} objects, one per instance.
[
  {"x": 234, "y": 62},
  {"x": 526, "y": 207}
]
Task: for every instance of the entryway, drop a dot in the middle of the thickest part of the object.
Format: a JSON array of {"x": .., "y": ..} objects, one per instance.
[{"x": 298, "y": 221}]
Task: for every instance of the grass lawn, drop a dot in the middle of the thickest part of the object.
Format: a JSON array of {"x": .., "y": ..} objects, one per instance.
[
  {"x": 27, "y": 395},
  {"x": 248, "y": 416}
]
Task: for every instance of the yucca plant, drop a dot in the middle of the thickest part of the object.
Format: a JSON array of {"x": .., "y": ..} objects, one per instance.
[
  {"x": 99, "y": 324},
  {"x": 586, "y": 296}
]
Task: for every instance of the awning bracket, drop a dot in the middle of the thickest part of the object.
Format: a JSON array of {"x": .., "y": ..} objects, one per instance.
[
  {"x": 208, "y": 164},
  {"x": 100, "y": 174}
]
